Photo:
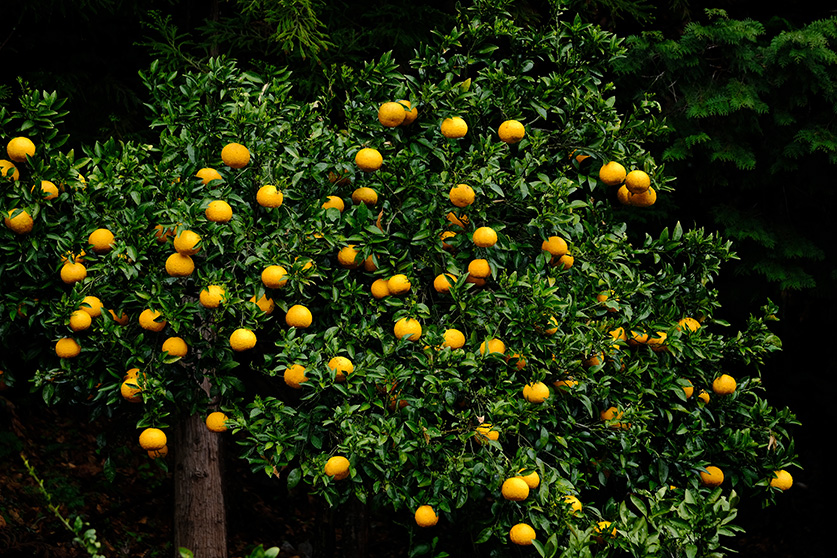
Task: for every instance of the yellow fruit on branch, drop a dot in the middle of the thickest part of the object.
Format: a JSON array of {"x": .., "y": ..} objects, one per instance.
[
  {"x": 492, "y": 346},
  {"x": 337, "y": 467},
  {"x": 216, "y": 422},
  {"x": 151, "y": 320},
  {"x": 522, "y": 534},
  {"x": 688, "y": 325},
  {"x": 443, "y": 282},
  {"x": 265, "y": 303},
  {"x": 242, "y": 339},
  {"x": 212, "y": 296},
  {"x": 574, "y": 503},
  {"x": 511, "y": 131},
  {"x": 152, "y": 439},
  {"x": 335, "y": 202},
  {"x": 407, "y": 327},
  {"x": 178, "y": 265},
  {"x": 235, "y": 155},
  {"x": 369, "y": 159},
  {"x": 9, "y": 170},
  {"x": 479, "y": 268},
  {"x": 365, "y": 195},
  {"x": 536, "y": 392},
  {"x": 486, "y": 432},
  {"x": 454, "y": 127},
  {"x": 207, "y": 175},
  {"x": 269, "y": 196},
  {"x": 73, "y": 272},
  {"x": 612, "y": 173},
  {"x": 101, "y": 240},
  {"x": 724, "y": 384},
  {"x": 175, "y": 346},
  {"x": 637, "y": 181},
  {"x": 391, "y": 114},
  {"x": 412, "y": 112},
  {"x": 348, "y": 257},
  {"x": 485, "y": 237},
  {"x": 533, "y": 480},
  {"x": 380, "y": 288},
  {"x": 461, "y": 195},
  {"x": 219, "y": 211},
  {"x": 19, "y": 148},
  {"x": 92, "y": 305},
  {"x": 555, "y": 245},
  {"x": 80, "y": 320},
  {"x": 515, "y": 489},
  {"x": 67, "y": 348},
  {"x": 781, "y": 479},
  {"x": 130, "y": 390},
  {"x": 19, "y": 221},
  {"x": 294, "y": 376},
  {"x": 48, "y": 190},
  {"x": 342, "y": 368},
  {"x": 187, "y": 243},
  {"x": 712, "y": 476},
  {"x": 426, "y": 516},
  {"x": 398, "y": 284},
  {"x": 454, "y": 339},
  {"x": 274, "y": 276},
  {"x": 298, "y": 316}
]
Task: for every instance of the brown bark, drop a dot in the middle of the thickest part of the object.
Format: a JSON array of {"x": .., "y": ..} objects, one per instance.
[{"x": 200, "y": 521}]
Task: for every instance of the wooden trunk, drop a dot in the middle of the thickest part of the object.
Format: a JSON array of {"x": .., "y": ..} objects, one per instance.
[{"x": 200, "y": 521}]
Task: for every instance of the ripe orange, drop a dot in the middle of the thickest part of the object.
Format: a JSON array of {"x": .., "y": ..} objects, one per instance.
[
  {"x": 67, "y": 348},
  {"x": 216, "y": 422},
  {"x": 566, "y": 261},
  {"x": 274, "y": 276},
  {"x": 454, "y": 127},
  {"x": 212, "y": 296},
  {"x": 342, "y": 367},
  {"x": 555, "y": 245},
  {"x": 175, "y": 346},
  {"x": 298, "y": 316},
  {"x": 207, "y": 175},
  {"x": 219, "y": 211},
  {"x": 187, "y": 243},
  {"x": 8, "y": 170},
  {"x": 20, "y": 223},
  {"x": 102, "y": 241},
  {"x": 637, "y": 181},
  {"x": 398, "y": 284},
  {"x": 347, "y": 257},
  {"x": 73, "y": 272},
  {"x": 515, "y": 489},
  {"x": 409, "y": 327},
  {"x": 645, "y": 199},
  {"x": 130, "y": 390},
  {"x": 334, "y": 201},
  {"x": 391, "y": 114},
  {"x": 724, "y": 384},
  {"x": 493, "y": 346},
  {"x": 365, "y": 195},
  {"x": 612, "y": 174},
  {"x": 442, "y": 283},
  {"x": 242, "y": 339},
  {"x": 178, "y": 265},
  {"x": 454, "y": 339},
  {"x": 150, "y": 320},
  {"x": 18, "y": 148},
  {"x": 712, "y": 476},
  {"x": 295, "y": 375},
  {"x": 369, "y": 159},
  {"x": 380, "y": 288},
  {"x": 479, "y": 268},
  {"x": 461, "y": 195},
  {"x": 485, "y": 237},
  {"x": 781, "y": 479},
  {"x": 269, "y": 196},
  {"x": 426, "y": 516},
  {"x": 574, "y": 503},
  {"x": 235, "y": 155},
  {"x": 533, "y": 480},
  {"x": 536, "y": 392},
  {"x": 461, "y": 221},
  {"x": 48, "y": 190},
  {"x": 522, "y": 534},
  {"x": 152, "y": 439},
  {"x": 80, "y": 320},
  {"x": 511, "y": 131},
  {"x": 690, "y": 324},
  {"x": 92, "y": 305},
  {"x": 337, "y": 467},
  {"x": 444, "y": 235},
  {"x": 688, "y": 390},
  {"x": 485, "y": 431},
  {"x": 412, "y": 113}
]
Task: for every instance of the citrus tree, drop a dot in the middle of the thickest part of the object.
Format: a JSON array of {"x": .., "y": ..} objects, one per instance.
[{"x": 416, "y": 291}]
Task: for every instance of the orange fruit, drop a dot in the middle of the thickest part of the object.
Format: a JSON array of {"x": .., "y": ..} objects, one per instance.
[
  {"x": 637, "y": 181},
  {"x": 18, "y": 148},
  {"x": 219, "y": 211},
  {"x": 407, "y": 327},
  {"x": 369, "y": 159},
  {"x": 8, "y": 170},
  {"x": 724, "y": 384},
  {"x": 242, "y": 339},
  {"x": 522, "y": 534},
  {"x": 178, "y": 265},
  {"x": 536, "y": 392},
  {"x": 334, "y": 201},
  {"x": 781, "y": 479},
  {"x": 101, "y": 240},
  {"x": 216, "y": 422},
  {"x": 712, "y": 476},
  {"x": 298, "y": 316},
  {"x": 295, "y": 375},
  {"x": 21, "y": 223},
  {"x": 391, "y": 114},
  {"x": 274, "y": 276},
  {"x": 511, "y": 131},
  {"x": 485, "y": 431},
  {"x": 398, "y": 284},
  {"x": 235, "y": 155},
  {"x": 207, "y": 175},
  {"x": 347, "y": 256},
  {"x": 612, "y": 173},
  {"x": 152, "y": 439},
  {"x": 212, "y": 296},
  {"x": 442, "y": 283},
  {"x": 479, "y": 268},
  {"x": 555, "y": 245},
  {"x": 67, "y": 348},
  {"x": 337, "y": 467},
  {"x": 515, "y": 489},
  {"x": 269, "y": 196},
  {"x": 80, "y": 320},
  {"x": 150, "y": 320},
  {"x": 493, "y": 346},
  {"x": 461, "y": 195},
  {"x": 380, "y": 288},
  {"x": 425, "y": 516},
  {"x": 92, "y": 305},
  {"x": 175, "y": 346},
  {"x": 342, "y": 367},
  {"x": 365, "y": 195},
  {"x": 412, "y": 113},
  {"x": 73, "y": 272},
  {"x": 485, "y": 237},
  {"x": 454, "y": 127}
]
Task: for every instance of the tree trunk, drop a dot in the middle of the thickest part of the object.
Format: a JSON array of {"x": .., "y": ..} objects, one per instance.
[
  {"x": 356, "y": 530},
  {"x": 200, "y": 520}
]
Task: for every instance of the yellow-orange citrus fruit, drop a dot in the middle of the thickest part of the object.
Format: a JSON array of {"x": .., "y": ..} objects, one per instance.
[
  {"x": 574, "y": 503},
  {"x": 454, "y": 339},
  {"x": 342, "y": 367},
  {"x": 566, "y": 261},
  {"x": 536, "y": 392},
  {"x": 274, "y": 276},
  {"x": 235, "y": 155},
  {"x": 178, "y": 265},
  {"x": 9, "y": 170},
  {"x": 175, "y": 346},
  {"x": 461, "y": 221},
  {"x": 479, "y": 268},
  {"x": 567, "y": 384},
  {"x": 150, "y": 320},
  {"x": 485, "y": 431},
  {"x": 398, "y": 284},
  {"x": 611, "y": 413},
  {"x": 637, "y": 181},
  {"x": 645, "y": 199},
  {"x": 493, "y": 346},
  {"x": 623, "y": 195},
  {"x": 18, "y": 148},
  {"x": 132, "y": 373},
  {"x": 67, "y": 348},
  {"x": 130, "y": 390},
  {"x": 407, "y": 327},
  {"x": 269, "y": 196},
  {"x": 370, "y": 264},
  {"x": 603, "y": 526},
  {"x": 336, "y": 202},
  {"x": 365, "y": 195},
  {"x": 265, "y": 303},
  {"x": 533, "y": 480},
  {"x": 689, "y": 324},
  {"x": 688, "y": 390},
  {"x": 391, "y": 114},
  {"x": 295, "y": 375},
  {"x": 380, "y": 288},
  {"x": 92, "y": 305},
  {"x": 119, "y": 319},
  {"x": 454, "y": 127},
  {"x": 511, "y": 131},
  {"x": 162, "y": 234},
  {"x": 158, "y": 453},
  {"x": 242, "y": 339},
  {"x": 515, "y": 489},
  {"x": 207, "y": 175},
  {"x": 48, "y": 190},
  {"x": 80, "y": 320},
  {"x": 347, "y": 256},
  {"x": 212, "y": 296},
  {"x": 555, "y": 245},
  {"x": 73, "y": 272},
  {"x": 21, "y": 223},
  {"x": 461, "y": 195},
  {"x": 219, "y": 211},
  {"x": 101, "y": 240},
  {"x": 152, "y": 439},
  {"x": 412, "y": 113},
  {"x": 522, "y": 534},
  {"x": 187, "y": 243},
  {"x": 781, "y": 479},
  {"x": 712, "y": 476},
  {"x": 369, "y": 159},
  {"x": 337, "y": 467},
  {"x": 426, "y": 516},
  {"x": 298, "y": 316},
  {"x": 485, "y": 237},
  {"x": 216, "y": 422},
  {"x": 443, "y": 282},
  {"x": 703, "y": 396},
  {"x": 612, "y": 173},
  {"x": 446, "y": 235},
  {"x": 724, "y": 384}
]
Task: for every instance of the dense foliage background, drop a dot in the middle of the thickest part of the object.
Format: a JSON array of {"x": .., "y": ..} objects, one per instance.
[{"x": 762, "y": 180}]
